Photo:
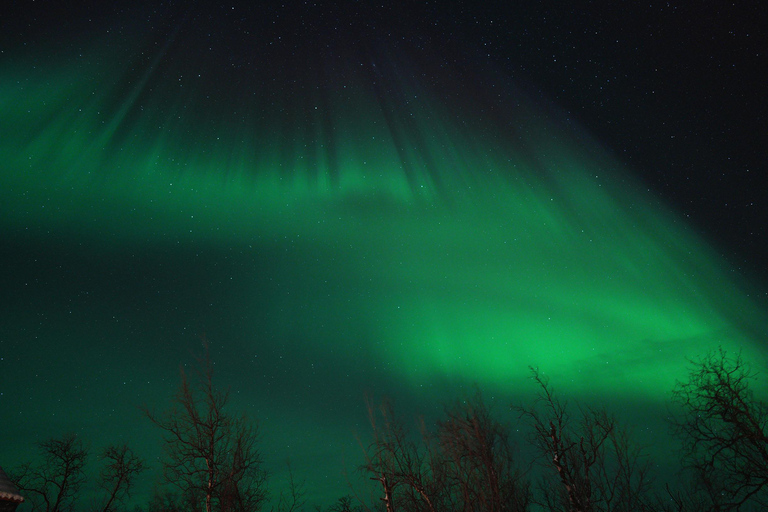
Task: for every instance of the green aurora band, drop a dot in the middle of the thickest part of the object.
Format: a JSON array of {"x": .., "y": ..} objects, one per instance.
[{"x": 393, "y": 233}]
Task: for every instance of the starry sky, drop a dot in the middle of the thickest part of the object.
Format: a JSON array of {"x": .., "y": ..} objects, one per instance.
[{"x": 351, "y": 199}]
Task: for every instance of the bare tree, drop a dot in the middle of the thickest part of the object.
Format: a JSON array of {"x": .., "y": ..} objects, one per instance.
[
  {"x": 400, "y": 463},
  {"x": 345, "y": 504},
  {"x": 687, "y": 496},
  {"x": 292, "y": 499},
  {"x": 466, "y": 464},
  {"x": 477, "y": 461},
  {"x": 592, "y": 459},
  {"x": 724, "y": 431},
  {"x": 54, "y": 484},
  {"x": 118, "y": 475},
  {"x": 165, "y": 500},
  {"x": 211, "y": 453}
]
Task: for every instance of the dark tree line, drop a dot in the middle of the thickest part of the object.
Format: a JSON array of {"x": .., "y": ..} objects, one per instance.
[
  {"x": 54, "y": 484},
  {"x": 468, "y": 463},
  {"x": 465, "y": 462},
  {"x": 587, "y": 460}
]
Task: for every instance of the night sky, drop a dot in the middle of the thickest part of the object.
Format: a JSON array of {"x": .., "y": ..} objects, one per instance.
[{"x": 404, "y": 200}]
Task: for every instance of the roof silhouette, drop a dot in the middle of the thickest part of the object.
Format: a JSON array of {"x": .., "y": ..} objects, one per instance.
[{"x": 9, "y": 495}]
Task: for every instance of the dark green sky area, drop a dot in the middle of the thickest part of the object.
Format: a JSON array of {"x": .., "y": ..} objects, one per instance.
[{"x": 400, "y": 201}]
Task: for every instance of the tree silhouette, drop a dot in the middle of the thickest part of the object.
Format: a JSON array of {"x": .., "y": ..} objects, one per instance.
[
  {"x": 345, "y": 504},
  {"x": 466, "y": 464},
  {"x": 477, "y": 460},
  {"x": 293, "y": 498},
  {"x": 724, "y": 431},
  {"x": 399, "y": 462},
  {"x": 117, "y": 477},
  {"x": 593, "y": 465},
  {"x": 211, "y": 454},
  {"x": 54, "y": 484}
]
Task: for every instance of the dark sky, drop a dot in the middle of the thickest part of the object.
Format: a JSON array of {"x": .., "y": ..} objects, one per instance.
[
  {"x": 404, "y": 199},
  {"x": 674, "y": 90}
]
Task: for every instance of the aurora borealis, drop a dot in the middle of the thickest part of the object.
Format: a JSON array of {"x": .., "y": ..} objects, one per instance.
[{"x": 343, "y": 204}]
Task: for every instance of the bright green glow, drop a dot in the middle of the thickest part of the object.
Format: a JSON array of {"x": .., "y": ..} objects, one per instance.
[{"x": 410, "y": 245}]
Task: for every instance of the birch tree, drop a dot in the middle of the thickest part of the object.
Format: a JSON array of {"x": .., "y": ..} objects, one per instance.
[{"x": 211, "y": 454}]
